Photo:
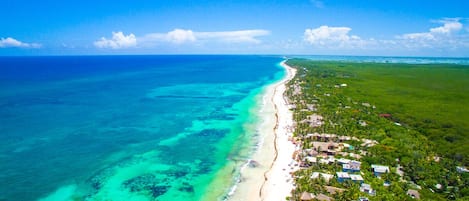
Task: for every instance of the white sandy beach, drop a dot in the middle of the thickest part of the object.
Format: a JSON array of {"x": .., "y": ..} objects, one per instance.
[{"x": 271, "y": 179}]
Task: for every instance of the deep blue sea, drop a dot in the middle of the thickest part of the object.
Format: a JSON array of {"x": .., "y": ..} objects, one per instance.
[{"x": 127, "y": 127}]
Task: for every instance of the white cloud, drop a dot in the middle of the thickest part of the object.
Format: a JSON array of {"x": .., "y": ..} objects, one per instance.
[
  {"x": 180, "y": 36},
  {"x": 119, "y": 40},
  {"x": 243, "y": 36},
  {"x": 328, "y": 36},
  {"x": 11, "y": 42},
  {"x": 418, "y": 36},
  {"x": 450, "y": 36},
  {"x": 450, "y": 26},
  {"x": 176, "y": 36}
]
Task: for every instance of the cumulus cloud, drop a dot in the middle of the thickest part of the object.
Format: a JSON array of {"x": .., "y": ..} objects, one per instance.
[
  {"x": 450, "y": 26},
  {"x": 11, "y": 42},
  {"x": 451, "y": 35},
  {"x": 118, "y": 41},
  {"x": 325, "y": 36},
  {"x": 180, "y": 36}
]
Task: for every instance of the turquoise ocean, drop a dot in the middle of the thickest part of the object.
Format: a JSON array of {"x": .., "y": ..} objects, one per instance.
[{"x": 128, "y": 127}]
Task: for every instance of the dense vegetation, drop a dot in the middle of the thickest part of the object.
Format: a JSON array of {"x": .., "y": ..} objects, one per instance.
[{"x": 427, "y": 129}]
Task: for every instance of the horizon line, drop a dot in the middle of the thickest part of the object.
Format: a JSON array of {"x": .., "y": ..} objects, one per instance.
[{"x": 247, "y": 54}]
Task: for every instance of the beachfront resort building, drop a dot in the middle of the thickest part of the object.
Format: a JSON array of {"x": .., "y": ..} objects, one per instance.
[
  {"x": 328, "y": 160},
  {"x": 378, "y": 170},
  {"x": 366, "y": 188},
  {"x": 352, "y": 166},
  {"x": 305, "y": 196},
  {"x": 333, "y": 190},
  {"x": 345, "y": 176},
  {"x": 342, "y": 176},
  {"x": 341, "y": 161},
  {"x": 356, "y": 178},
  {"x": 325, "y": 176}
]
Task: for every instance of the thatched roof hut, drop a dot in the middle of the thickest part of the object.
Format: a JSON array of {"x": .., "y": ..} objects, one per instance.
[{"x": 306, "y": 196}]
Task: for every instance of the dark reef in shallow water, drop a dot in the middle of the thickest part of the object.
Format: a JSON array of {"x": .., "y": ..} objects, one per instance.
[
  {"x": 186, "y": 187},
  {"x": 212, "y": 133},
  {"x": 149, "y": 183},
  {"x": 158, "y": 190}
]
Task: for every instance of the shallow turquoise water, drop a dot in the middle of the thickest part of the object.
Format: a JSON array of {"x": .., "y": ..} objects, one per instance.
[{"x": 126, "y": 127}]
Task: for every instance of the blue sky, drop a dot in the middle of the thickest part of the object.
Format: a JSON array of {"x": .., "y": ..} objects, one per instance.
[{"x": 319, "y": 27}]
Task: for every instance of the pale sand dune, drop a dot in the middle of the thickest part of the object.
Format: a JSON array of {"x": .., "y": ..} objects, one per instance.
[{"x": 271, "y": 179}]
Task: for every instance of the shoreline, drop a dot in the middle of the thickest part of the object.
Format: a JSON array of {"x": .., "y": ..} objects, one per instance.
[{"x": 267, "y": 174}]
